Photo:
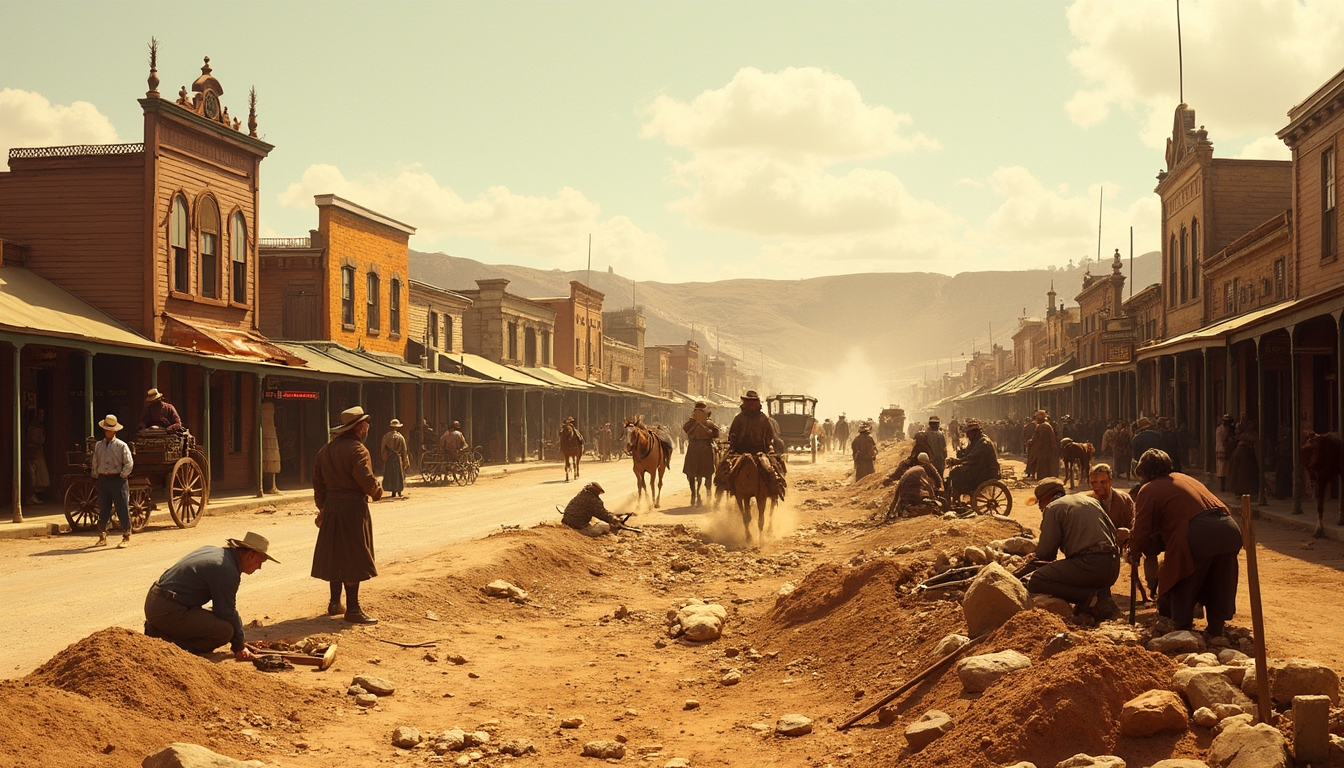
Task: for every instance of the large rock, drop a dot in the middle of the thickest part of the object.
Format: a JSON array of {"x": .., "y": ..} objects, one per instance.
[
  {"x": 1153, "y": 712},
  {"x": 1249, "y": 746},
  {"x": 1208, "y": 687},
  {"x": 1179, "y": 762},
  {"x": 1017, "y": 545},
  {"x": 701, "y": 623},
  {"x": 927, "y": 729},
  {"x": 502, "y": 588},
  {"x": 948, "y": 644},
  {"x": 793, "y": 725},
  {"x": 183, "y": 755},
  {"x": 994, "y": 596},
  {"x": 604, "y": 749},
  {"x": 406, "y": 736},
  {"x": 375, "y": 685},
  {"x": 517, "y": 747},
  {"x": 1081, "y": 760},
  {"x": 1181, "y": 641},
  {"x": 1295, "y": 677},
  {"x": 1311, "y": 729},
  {"x": 979, "y": 672}
]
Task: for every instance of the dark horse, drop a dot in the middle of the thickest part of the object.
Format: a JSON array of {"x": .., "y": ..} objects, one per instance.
[
  {"x": 1077, "y": 461},
  {"x": 1321, "y": 462}
]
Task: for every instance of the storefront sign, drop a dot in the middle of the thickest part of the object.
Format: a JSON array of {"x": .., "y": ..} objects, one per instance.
[{"x": 291, "y": 394}]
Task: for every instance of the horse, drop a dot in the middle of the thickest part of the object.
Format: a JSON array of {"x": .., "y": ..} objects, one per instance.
[
  {"x": 571, "y": 447},
  {"x": 647, "y": 453},
  {"x": 748, "y": 482},
  {"x": 1321, "y": 463},
  {"x": 1077, "y": 457}
]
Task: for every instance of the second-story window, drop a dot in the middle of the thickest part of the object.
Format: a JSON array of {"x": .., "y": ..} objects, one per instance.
[
  {"x": 578, "y": 357},
  {"x": 375, "y": 304},
  {"x": 513, "y": 341},
  {"x": 1229, "y": 298},
  {"x": 448, "y": 332},
  {"x": 1194, "y": 259},
  {"x": 208, "y": 214},
  {"x": 177, "y": 245},
  {"x": 348, "y": 297},
  {"x": 545, "y": 346},
  {"x": 432, "y": 330},
  {"x": 1280, "y": 283},
  {"x": 394, "y": 307},
  {"x": 1185, "y": 265},
  {"x": 1171, "y": 272},
  {"x": 1329, "y": 232},
  {"x": 238, "y": 244}
]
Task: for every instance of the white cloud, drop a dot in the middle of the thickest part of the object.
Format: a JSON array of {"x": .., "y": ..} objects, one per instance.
[
  {"x": 763, "y": 153},
  {"x": 1039, "y": 225},
  {"x": 1246, "y": 62},
  {"x": 1266, "y": 148},
  {"x": 545, "y": 231},
  {"x": 30, "y": 120}
]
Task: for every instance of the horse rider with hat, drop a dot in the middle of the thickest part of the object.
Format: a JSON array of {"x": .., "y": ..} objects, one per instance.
[
  {"x": 343, "y": 483},
  {"x": 159, "y": 413},
  {"x": 1077, "y": 526},
  {"x": 111, "y": 465},
  {"x": 750, "y": 431},
  {"x": 174, "y": 606}
]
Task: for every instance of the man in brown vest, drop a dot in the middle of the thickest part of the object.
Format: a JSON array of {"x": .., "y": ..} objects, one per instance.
[{"x": 343, "y": 483}]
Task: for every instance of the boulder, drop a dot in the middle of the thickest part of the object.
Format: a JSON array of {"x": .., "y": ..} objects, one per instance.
[
  {"x": 1017, "y": 545},
  {"x": 450, "y": 741},
  {"x": 995, "y": 595},
  {"x": 1245, "y": 718},
  {"x": 1081, "y": 760},
  {"x": 701, "y": 623},
  {"x": 979, "y": 672},
  {"x": 604, "y": 749},
  {"x": 793, "y": 725},
  {"x": 975, "y": 555},
  {"x": 1229, "y": 655},
  {"x": 1179, "y": 762},
  {"x": 1153, "y": 712},
  {"x": 949, "y": 644},
  {"x": 1023, "y": 764},
  {"x": 1295, "y": 677},
  {"x": 183, "y": 755},
  {"x": 1056, "y": 605},
  {"x": 406, "y": 737},
  {"x": 375, "y": 685},
  {"x": 501, "y": 588},
  {"x": 1181, "y": 641},
  {"x": 517, "y": 747},
  {"x": 927, "y": 729},
  {"x": 677, "y": 762},
  {"x": 1249, "y": 746},
  {"x": 1205, "y": 717},
  {"x": 1208, "y": 687},
  {"x": 1311, "y": 729}
]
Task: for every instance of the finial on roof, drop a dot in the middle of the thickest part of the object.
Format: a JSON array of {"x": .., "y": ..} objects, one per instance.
[
  {"x": 205, "y": 68},
  {"x": 252, "y": 114},
  {"x": 207, "y": 81},
  {"x": 1116, "y": 265},
  {"x": 153, "y": 80}
]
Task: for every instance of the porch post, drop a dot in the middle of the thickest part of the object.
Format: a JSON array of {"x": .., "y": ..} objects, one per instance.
[
  {"x": 1260, "y": 413},
  {"x": 523, "y": 453},
  {"x": 1295, "y": 421},
  {"x": 258, "y": 446},
  {"x": 471, "y": 419},
  {"x": 18, "y": 438},
  {"x": 205, "y": 420},
  {"x": 506, "y": 425},
  {"x": 1206, "y": 437},
  {"x": 88, "y": 395},
  {"x": 154, "y": 373},
  {"x": 541, "y": 430}
]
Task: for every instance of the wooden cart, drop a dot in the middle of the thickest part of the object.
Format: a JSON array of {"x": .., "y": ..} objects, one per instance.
[
  {"x": 436, "y": 468},
  {"x": 170, "y": 461}
]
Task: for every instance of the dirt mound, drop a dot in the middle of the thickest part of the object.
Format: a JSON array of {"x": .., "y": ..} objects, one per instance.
[
  {"x": 158, "y": 679},
  {"x": 831, "y": 585}
]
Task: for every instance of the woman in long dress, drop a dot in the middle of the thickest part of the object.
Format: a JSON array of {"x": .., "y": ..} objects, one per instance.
[{"x": 396, "y": 458}]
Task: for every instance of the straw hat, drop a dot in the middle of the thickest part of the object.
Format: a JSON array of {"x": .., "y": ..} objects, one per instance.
[
  {"x": 153, "y": 395},
  {"x": 350, "y": 418},
  {"x": 253, "y": 541},
  {"x": 751, "y": 395},
  {"x": 110, "y": 422},
  {"x": 394, "y": 423}
]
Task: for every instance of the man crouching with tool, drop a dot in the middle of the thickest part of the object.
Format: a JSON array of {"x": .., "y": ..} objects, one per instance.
[
  {"x": 1078, "y": 526},
  {"x": 585, "y": 506},
  {"x": 173, "y": 607}
]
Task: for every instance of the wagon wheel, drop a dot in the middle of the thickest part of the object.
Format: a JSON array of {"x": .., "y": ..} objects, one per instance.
[
  {"x": 81, "y": 505},
  {"x": 992, "y": 498},
  {"x": 141, "y": 503},
  {"x": 470, "y": 471},
  {"x": 188, "y": 493},
  {"x": 455, "y": 475},
  {"x": 197, "y": 455}
]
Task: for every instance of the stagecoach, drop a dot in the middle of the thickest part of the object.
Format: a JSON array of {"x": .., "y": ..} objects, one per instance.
[
  {"x": 167, "y": 459},
  {"x": 796, "y": 417}
]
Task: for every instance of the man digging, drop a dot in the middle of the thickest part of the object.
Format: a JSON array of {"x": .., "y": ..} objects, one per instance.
[{"x": 1077, "y": 525}]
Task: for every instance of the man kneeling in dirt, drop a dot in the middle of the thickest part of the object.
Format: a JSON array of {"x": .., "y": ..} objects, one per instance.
[
  {"x": 917, "y": 483},
  {"x": 585, "y": 506},
  {"x": 173, "y": 607},
  {"x": 1078, "y": 526}
]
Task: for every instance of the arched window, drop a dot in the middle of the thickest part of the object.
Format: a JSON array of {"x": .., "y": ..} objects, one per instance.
[
  {"x": 1171, "y": 272},
  {"x": 1195, "y": 277},
  {"x": 208, "y": 216},
  {"x": 448, "y": 332},
  {"x": 238, "y": 244},
  {"x": 1185, "y": 265},
  {"x": 177, "y": 246},
  {"x": 394, "y": 307},
  {"x": 348, "y": 297},
  {"x": 374, "y": 305}
]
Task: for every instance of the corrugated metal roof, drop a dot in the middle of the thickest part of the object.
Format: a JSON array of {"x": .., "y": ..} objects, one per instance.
[
  {"x": 34, "y": 305},
  {"x": 490, "y": 370},
  {"x": 552, "y": 376}
]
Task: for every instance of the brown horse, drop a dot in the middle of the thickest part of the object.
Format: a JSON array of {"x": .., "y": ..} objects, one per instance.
[
  {"x": 748, "y": 482},
  {"x": 1321, "y": 462},
  {"x": 571, "y": 447},
  {"x": 647, "y": 452},
  {"x": 1077, "y": 459}
]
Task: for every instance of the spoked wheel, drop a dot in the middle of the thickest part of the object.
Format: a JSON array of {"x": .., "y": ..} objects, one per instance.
[
  {"x": 142, "y": 501},
  {"x": 81, "y": 505},
  {"x": 469, "y": 474},
  {"x": 187, "y": 493},
  {"x": 992, "y": 498},
  {"x": 198, "y": 456}
]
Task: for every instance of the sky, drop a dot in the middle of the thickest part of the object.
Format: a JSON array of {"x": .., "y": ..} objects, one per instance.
[{"x": 699, "y": 141}]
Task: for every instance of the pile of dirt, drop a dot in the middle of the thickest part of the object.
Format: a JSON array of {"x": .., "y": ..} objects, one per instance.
[
  {"x": 830, "y": 586},
  {"x": 157, "y": 679}
]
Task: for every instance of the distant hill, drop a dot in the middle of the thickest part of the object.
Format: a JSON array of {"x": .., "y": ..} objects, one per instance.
[{"x": 898, "y": 322}]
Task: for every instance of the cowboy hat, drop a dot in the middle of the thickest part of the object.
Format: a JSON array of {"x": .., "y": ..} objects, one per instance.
[
  {"x": 751, "y": 395},
  {"x": 699, "y": 406},
  {"x": 350, "y": 418},
  {"x": 1047, "y": 490},
  {"x": 153, "y": 395},
  {"x": 935, "y": 420},
  {"x": 971, "y": 425},
  {"x": 594, "y": 487},
  {"x": 394, "y": 423},
  {"x": 253, "y": 541},
  {"x": 110, "y": 422},
  {"x": 1040, "y": 414},
  {"x": 865, "y": 427}
]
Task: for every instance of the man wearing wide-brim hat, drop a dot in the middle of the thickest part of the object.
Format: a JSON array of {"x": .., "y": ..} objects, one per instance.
[
  {"x": 1042, "y": 449},
  {"x": 159, "y": 413},
  {"x": 343, "y": 483},
  {"x": 864, "y": 450},
  {"x": 396, "y": 459},
  {"x": 174, "y": 607},
  {"x": 111, "y": 465},
  {"x": 1077, "y": 527}
]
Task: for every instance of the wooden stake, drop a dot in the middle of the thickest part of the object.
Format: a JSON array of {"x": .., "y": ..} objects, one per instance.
[
  {"x": 910, "y": 683},
  {"x": 1257, "y": 617}
]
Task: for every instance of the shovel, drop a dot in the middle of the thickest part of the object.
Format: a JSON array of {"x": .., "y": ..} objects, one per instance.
[{"x": 321, "y": 662}]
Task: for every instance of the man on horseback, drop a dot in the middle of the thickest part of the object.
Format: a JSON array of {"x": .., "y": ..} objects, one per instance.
[
  {"x": 974, "y": 464},
  {"x": 571, "y": 445},
  {"x": 751, "y": 469},
  {"x": 701, "y": 433}
]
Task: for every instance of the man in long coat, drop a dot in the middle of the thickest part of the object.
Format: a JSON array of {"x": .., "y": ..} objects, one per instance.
[
  {"x": 937, "y": 445},
  {"x": 343, "y": 483},
  {"x": 864, "y": 450},
  {"x": 841, "y": 433},
  {"x": 701, "y": 433},
  {"x": 1042, "y": 450}
]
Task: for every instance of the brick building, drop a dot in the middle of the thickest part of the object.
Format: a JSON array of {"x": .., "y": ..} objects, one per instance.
[
  {"x": 623, "y": 347},
  {"x": 507, "y": 329},
  {"x": 578, "y": 327}
]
